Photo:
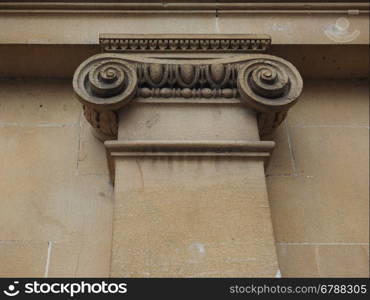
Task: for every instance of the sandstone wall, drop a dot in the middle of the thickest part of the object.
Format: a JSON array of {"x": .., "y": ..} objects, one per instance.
[{"x": 56, "y": 200}]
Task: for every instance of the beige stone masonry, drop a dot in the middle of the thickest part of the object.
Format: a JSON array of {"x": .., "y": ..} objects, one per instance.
[
  {"x": 185, "y": 155},
  {"x": 285, "y": 22},
  {"x": 342, "y": 105}
]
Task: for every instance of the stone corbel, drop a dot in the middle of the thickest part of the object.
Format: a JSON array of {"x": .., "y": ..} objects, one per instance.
[{"x": 176, "y": 68}]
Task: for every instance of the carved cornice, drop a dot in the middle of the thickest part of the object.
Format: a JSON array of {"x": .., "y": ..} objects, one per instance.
[
  {"x": 106, "y": 82},
  {"x": 116, "y": 43}
]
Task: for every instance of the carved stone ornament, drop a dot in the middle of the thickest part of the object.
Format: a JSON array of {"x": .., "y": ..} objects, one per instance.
[
  {"x": 106, "y": 82},
  {"x": 184, "y": 43}
]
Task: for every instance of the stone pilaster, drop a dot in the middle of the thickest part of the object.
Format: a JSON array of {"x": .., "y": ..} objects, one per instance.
[{"x": 182, "y": 130}]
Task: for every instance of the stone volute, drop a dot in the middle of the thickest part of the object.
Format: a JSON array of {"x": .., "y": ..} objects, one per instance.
[{"x": 167, "y": 97}]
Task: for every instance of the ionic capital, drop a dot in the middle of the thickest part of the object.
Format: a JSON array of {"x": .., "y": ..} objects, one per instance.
[{"x": 107, "y": 82}]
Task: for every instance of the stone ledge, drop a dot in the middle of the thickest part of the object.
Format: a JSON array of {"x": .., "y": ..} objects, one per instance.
[
  {"x": 115, "y": 7},
  {"x": 66, "y": 28}
]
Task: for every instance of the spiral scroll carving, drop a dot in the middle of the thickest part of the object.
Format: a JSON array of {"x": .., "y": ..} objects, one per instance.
[
  {"x": 271, "y": 87},
  {"x": 107, "y": 82},
  {"x": 103, "y": 86}
]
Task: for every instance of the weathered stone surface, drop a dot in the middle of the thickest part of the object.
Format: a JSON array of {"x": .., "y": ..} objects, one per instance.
[
  {"x": 326, "y": 234},
  {"x": 323, "y": 260},
  {"x": 190, "y": 216},
  {"x": 343, "y": 260},
  {"x": 319, "y": 106},
  {"x": 313, "y": 61},
  {"x": 166, "y": 121},
  {"x": 41, "y": 165},
  {"x": 184, "y": 217},
  {"x": 87, "y": 250},
  {"x": 43, "y": 29},
  {"x": 281, "y": 163},
  {"x": 297, "y": 260},
  {"x": 91, "y": 155},
  {"x": 331, "y": 104},
  {"x": 288, "y": 29},
  {"x": 287, "y": 195},
  {"x": 46, "y": 197},
  {"x": 322, "y": 213},
  {"x": 284, "y": 28},
  {"x": 23, "y": 258},
  {"x": 37, "y": 103},
  {"x": 341, "y": 157}
]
